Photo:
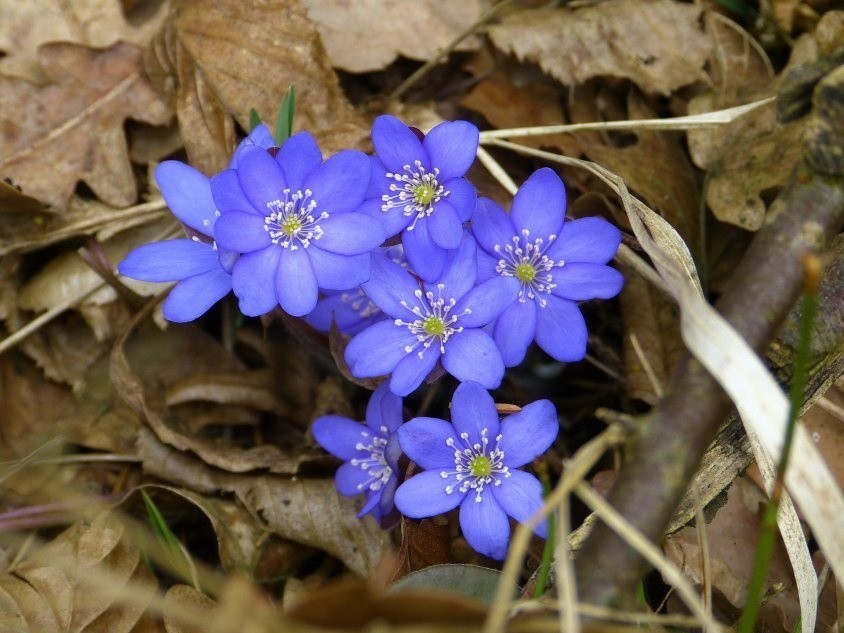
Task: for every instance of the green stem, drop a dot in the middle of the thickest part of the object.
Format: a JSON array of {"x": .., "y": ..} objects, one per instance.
[
  {"x": 548, "y": 552},
  {"x": 768, "y": 527}
]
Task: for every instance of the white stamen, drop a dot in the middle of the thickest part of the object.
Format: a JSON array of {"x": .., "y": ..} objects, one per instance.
[
  {"x": 291, "y": 220},
  {"x": 375, "y": 463},
  {"x": 433, "y": 321},
  {"x": 415, "y": 192},
  {"x": 465, "y": 458},
  {"x": 523, "y": 252}
]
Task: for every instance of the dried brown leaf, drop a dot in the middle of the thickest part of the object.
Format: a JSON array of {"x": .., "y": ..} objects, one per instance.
[
  {"x": 308, "y": 511},
  {"x": 253, "y": 389},
  {"x": 655, "y": 322},
  {"x": 217, "y": 60},
  {"x": 358, "y": 43},
  {"x": 51, "y": 590},
  {"x": 180, "y": 598},
  {"x": 657, "y": 44},
  {"x": 731, "y": 537},
  {"x": 656, "y": 167},
  {"x": 81, "y": 112},
  {"x": 95, "y": 23},
  {"x": 165, "y": 358},
  {"x": 506, "y": 104}
]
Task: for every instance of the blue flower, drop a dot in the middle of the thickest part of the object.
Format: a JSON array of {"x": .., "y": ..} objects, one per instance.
[
  {"x": 556, "y": 263},
  {"x": 371, "y": 452},
  {"x": 294, "y": 220},
  {"x": 418, "y": 187},
  {"x": 432, "y": 321},
  {"x": 473, "y": 463},
  {"x": 202, "y": 270},
  {"x": 260, "y": 137}
]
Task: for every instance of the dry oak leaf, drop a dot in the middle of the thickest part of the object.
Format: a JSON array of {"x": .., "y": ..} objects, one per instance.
[
  {"x": 216, "y": 60},
  {"x": 358, "y": 43},
  {"x": 72, "y": 128},
  {"x": 98, "y": 23},
  {"x": 657, "y": 44}
]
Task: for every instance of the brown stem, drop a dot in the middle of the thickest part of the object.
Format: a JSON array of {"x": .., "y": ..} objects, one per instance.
[{"x": 675, "y": 435}]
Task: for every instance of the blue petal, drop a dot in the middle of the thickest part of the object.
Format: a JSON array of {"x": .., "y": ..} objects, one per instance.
[
  {"x": 528, "y": 433},
  {"x": 171, "y": 260},
  {"x": 389, "y": 286},
  {"x": 514, "y": 330},
  {"x": 486, "y": 266},
  {"x": 452, "y": 147},
  {"x": 259, "y": 138},
  {"x": 579, "y": 281},
  {"x": 472, "y": 411},
  {"x": 425, "y": 258},
  {"x": 192, "y": 298},
  {"x": 295, "y": 282},
  {"x": 462, "y": 196},
  {"x": 383, "y": 409},
  {"x": 472, "y": 355},
  {"x": 261, "y": 179},
  {"x": 424, "y": 441},
  {"x": 373, "y": 501},
  {"x": 591, "y": 240},
  {"x": 338, "y": 272},
  {"x": 352, "y": 480},
  {"x": 298, "y": 157},
  {"x": 492, "y": 227},
  {"x": 393, "y": 452},
  {"x": 445, "y": 226},
  {"x": 561, "y": 330},
  {"x": 388, "y": 495},
  {"x": 393, "y": 222},
  {"x": 377, "y": 350},
  {"x": 188, "y": 194},
  {"x": 460, "y": 270},
  {"x": 337, "y": 307},
  {"x": 252, "y": 281},
  {"x": 350, "y": 233},
  {"x": 424, "y": 495},
  {"x": 539, "y": 206},
  {"x": 487, "y": 300},
  {"x": 485, "y": 525},
  {"x": 520, "y": 496},
  {"x": 340, "y": 184},
  {"x": 241, "y": 232},
  {"x": 338, "y": 435},
  {"x": 412, "y": 370},
  {"x": 396, "y": 145},
  {"x": 228, "y": 196}
]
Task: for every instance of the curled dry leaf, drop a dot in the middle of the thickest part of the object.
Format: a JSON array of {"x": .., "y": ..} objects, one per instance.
[
  {"x": 214, "y": 61},
  {"x": 308, "y": 511},
  {"x": 163, "y": 359},
  {"x": 72, "y": 128},
  {"x": 657, "y": 44},
  {"x": 358, "y": 43},
  {"x": 79, "y": 581}
]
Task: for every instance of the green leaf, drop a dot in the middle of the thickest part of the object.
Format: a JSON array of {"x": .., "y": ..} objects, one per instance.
[
  {"x": 254, "y": 119},
  {"x": 284, "y": 122}
]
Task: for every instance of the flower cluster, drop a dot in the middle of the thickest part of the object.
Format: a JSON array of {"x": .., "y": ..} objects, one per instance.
[{"x": 398, "y": 252}]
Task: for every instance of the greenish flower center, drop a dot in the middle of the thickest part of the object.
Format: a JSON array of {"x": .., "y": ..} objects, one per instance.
[
  {"x": 525, "y": 272},
  {"x": 291, "y": 225},
  {"x": 433, "y": 326},
  {"x": 480, "y": 466},
  {"x": 423, "y": 193}
]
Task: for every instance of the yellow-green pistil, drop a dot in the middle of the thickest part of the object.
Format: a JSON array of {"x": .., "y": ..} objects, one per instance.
[
  {"x": 525, "y": 272},
  {"x": 423, "y": 194},
  {"x": 480, "y": 466},
  {"x": 290, "y": 225},
  {"x": 433, "y": 326}
]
